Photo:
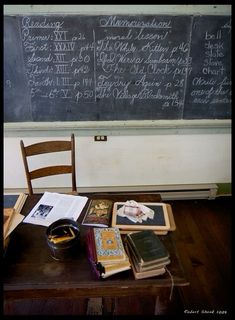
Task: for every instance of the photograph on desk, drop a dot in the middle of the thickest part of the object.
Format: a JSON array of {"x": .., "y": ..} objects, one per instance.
[
  {"x": 99, "y": 213},
  {"x": 132, "y": 215},
  {"x": 106, "y": 252}
]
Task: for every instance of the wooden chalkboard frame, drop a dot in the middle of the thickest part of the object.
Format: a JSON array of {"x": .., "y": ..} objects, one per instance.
[
  {"x": 160, "y": 222},
  {"x": 117, "y": 128}
]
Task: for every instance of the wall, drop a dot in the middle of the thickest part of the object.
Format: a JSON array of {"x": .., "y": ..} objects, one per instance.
[
  {"x": 135, "y": 155},
  {"x": 135, "y": 161}
]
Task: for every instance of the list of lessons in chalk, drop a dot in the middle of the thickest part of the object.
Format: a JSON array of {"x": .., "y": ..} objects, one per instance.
[{"x": 93, "y": 68}]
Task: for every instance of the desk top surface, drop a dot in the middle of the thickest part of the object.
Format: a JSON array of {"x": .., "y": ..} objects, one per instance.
[{"x": 28, "y": 265}]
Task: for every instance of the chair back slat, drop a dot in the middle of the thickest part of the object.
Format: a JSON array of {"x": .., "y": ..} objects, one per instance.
[
  {"x": 50, "y": 171},
  {"x": 47, "y": 147}
]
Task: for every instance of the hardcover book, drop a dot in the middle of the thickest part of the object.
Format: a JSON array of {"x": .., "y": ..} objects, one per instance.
[
  {"x": 91, "y": 253},
  {"x": 106, "y": 252},
  {"x": 146, "y": 273},
  {"x": 109, "y": 245},
  {"x": 99, "y": 213},
  {"x": 151, "y": 266},
  {"x": 147, "y": 246}
]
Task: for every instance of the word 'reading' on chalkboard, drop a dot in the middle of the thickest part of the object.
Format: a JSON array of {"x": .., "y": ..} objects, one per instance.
[{"x": 96, "y": 68}]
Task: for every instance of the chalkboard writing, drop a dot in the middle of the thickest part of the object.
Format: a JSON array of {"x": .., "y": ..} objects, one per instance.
[
  {"x": 209, "y": 84},
  {"x": 91, "y": 68}
]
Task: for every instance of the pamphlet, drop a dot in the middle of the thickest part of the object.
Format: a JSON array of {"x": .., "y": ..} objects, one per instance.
[{"x": 54, "y": 206}]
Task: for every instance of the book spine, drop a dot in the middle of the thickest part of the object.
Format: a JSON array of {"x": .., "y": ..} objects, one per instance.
[
  {"x": 91, "y": 254},
  {"x": 134, "y": 249}
]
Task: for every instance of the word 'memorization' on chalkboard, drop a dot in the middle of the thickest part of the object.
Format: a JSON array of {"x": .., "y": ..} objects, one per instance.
[{"x": 93, "y": 68}]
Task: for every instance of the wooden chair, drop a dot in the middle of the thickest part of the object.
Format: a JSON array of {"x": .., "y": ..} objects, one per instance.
[{"x": 49, "y": 147}]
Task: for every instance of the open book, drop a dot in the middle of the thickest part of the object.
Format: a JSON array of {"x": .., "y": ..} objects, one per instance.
[
  {"x": 13, "y": 205},
  {"x": 8, "y": 214},
  {"x": 54, "y": 206}
]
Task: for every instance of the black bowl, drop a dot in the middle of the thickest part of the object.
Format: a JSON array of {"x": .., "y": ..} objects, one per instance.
[{"x": 63, "y": 239}]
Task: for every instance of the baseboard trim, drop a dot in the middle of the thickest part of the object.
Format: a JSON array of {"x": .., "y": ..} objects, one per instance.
[{"x": 167, "y": 192}]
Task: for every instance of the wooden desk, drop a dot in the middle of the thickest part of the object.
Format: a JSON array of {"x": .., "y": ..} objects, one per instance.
[{"x": 30, "y": 272}]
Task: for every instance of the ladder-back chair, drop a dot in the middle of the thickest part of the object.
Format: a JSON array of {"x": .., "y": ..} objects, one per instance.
[{"x": 49, "y": 147}]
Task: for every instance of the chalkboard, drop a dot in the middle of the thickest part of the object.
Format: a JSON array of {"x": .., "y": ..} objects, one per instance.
[
  {"x": 118, "y": 67},
  {"x": 208, "y": 93}
]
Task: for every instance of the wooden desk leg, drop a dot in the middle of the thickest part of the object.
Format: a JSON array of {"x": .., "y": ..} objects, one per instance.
[
  {"x": 101, "y": 306},
  {"x": 95, "y": 306},
  {"x": 162, "y": 301},
  {"x": 109, "y": 306}
]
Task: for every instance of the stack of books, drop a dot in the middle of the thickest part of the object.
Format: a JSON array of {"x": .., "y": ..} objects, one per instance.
[
  {"x": 106, "y": 252},
  {"x": 147, "y": 254}
]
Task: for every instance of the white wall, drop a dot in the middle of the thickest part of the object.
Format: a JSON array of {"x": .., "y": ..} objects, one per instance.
[
  {"x": 133, "y": 161},
  {"x": 129, "y": 160}
]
